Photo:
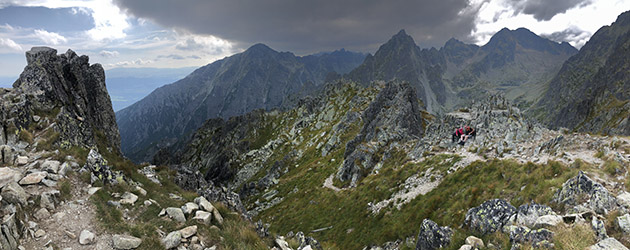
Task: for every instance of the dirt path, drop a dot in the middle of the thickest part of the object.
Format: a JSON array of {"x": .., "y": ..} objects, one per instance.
[{"x": 63, "y": 227}]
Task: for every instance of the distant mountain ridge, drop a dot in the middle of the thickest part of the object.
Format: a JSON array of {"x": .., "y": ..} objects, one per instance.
[
  {"x": 517, "y": 63},
  {"x": 260, "y": 77},
  {"x": 591, "y": 92}
]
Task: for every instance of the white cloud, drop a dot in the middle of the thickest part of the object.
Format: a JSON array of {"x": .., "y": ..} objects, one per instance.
[
  {"x": 10, "y": 44},
  {"x": 137, "y": 62},
  {"x": 589, "y": 17},
  {"x": 107, "y": 53},
  {"x": 203, "y": 44},
  {"x": 110, "y": 22},
  {"x": 49, "y": 37}
]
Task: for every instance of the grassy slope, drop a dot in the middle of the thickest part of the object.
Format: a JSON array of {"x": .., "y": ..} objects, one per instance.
[{"x": 353, "y": 226}]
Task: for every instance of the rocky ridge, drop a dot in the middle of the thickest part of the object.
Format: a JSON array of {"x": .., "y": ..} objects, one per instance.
[{"x": 64, "y": 185}]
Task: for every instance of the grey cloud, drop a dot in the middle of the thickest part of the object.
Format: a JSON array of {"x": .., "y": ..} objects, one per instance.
[
  {"x": 544, "y": 9},
  {"x": 573, "y": 35},
  {"x": 310, "y": 26},
  {"x": 190, "y": 44}
]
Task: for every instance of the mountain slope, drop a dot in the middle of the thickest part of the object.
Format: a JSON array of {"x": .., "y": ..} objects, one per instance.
[
  {"x": 353, "y": 167},
  {"x": 259, "y": 78},
  {"x": 591, "y": 91}
]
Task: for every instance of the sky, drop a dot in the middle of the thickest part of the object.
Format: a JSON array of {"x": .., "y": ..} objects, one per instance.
[{"x": 175, "y": 33}]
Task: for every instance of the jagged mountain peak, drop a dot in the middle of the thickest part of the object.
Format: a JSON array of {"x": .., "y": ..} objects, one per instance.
[
  {"x": 509, "y": 39},
  {"x": 259, "y": 49},
  {"x": 401, "y": 38}
]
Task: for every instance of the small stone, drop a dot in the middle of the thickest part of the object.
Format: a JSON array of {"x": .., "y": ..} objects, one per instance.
[
  {"x": 624, "y": 223},
  {"x": 86, "y": 237},
  {"x": 8, "y": 175},
  {"x": 71, "y": 235},
  {"x": 176, "y": 214},
  {"x": 548, "y": 221},
  {"x": 141, "y": 191},
  {"x": 466, "y": 247},
  {"x": 93, "y": 190},
  {"x": 49, "y": 183},
  {"x": 203, "y": 216},
  {"x": 147, "y": 203},
  {"x": 36, "y": 118},
  {"x": 125, "y": 241},
  {"x": 188, "y": 231},
  {"x": 51, "y": 166},
  {"x": 64, "y": 169},
  {"x": 40, "y": 233},
  {"x": 190, "y": 208},
  {"x": 281, "y": 243},
  {"x": 21, "y": 160},
  {"x": 204, "y": 204},
  {"x": 41, "y": 214},
  {"x": 14, "y": 193},
  {"x": 33, "y": 178},
  {"x": 217, "y": 216},
  {"x": 475, "y": 242},
  {"x": 172, "y": 240},
  {"x": 128, "y": 198},
  {"x": 162, "y": 212},
  {"x": 608, "y": 244}
]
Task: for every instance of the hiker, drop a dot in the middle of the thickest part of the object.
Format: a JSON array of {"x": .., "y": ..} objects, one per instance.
[
  {"x": 457, "y": 135},
  {"x": 467, "y": 133}
]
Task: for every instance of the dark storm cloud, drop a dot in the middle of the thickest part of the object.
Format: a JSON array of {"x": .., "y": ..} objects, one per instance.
[
  {"x": 308, "y": 26},
  {"x": 545, "y": 9}
]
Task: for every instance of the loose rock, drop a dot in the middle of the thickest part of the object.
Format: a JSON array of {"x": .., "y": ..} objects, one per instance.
[
  {"x": 125, "y": 241},
  {"x": 86, "y": 237}
]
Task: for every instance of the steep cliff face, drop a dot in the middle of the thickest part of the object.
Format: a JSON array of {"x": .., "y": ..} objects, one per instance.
[
  {"x": 590, "y": 93},
  {"x": 67, "y": 90}
]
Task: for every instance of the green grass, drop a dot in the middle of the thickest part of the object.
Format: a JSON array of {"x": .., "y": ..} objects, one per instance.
[{"x": 316, "y": 207}]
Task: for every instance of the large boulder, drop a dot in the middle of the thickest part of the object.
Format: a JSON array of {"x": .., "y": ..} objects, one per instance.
[
  {"x": 582, "y": 190},
  {"x": 8, "y": 175},
  {"x": 432, "y": 236},
  {"x": 490, "y": 216}
]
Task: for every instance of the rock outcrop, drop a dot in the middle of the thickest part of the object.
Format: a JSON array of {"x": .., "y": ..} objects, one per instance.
[
  {"x": 490, "y": 216},
  {"x": 393, "y": 116},
  {"x": 432, "y": 236},
  {"x": 582, "y": 190},
  {"x": 72, "y": 91}
]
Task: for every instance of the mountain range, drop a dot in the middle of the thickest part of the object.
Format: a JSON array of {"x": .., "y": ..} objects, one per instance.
[{"x": 258, "y": 78}]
